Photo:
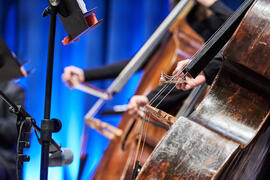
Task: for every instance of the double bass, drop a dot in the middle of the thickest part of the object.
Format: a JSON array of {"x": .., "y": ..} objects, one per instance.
[
  {"x": 146, "y": 51},
  {"x": 218, "y": 138},
  {"x": 180, "y": 42}
]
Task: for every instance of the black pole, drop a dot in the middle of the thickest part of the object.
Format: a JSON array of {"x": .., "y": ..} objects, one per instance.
[{"x": 46, "y": 132}]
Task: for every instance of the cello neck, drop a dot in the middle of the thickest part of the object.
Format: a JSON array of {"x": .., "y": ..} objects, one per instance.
[{"x": 217, "y": 41}]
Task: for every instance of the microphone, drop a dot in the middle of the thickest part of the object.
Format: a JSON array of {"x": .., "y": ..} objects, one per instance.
[{"x": 60, "y": 158}]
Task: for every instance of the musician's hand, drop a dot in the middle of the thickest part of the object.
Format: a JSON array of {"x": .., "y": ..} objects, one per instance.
[
  {"x": 206, "y": 3},
  {"x": 135, "y": 103},
  {"x": 180, "y": 66},
  {"x": 190, "y": 82},
  {"x": 71, "y": 71}
]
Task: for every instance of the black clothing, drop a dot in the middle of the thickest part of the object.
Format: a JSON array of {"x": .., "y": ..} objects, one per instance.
[
  {"x": 171, "y": 101},
  {"x": 105, "y": 72},
  {"x": 252, "y": 162},
  {"x": 8, "y": 130},
  {"x": 210, "y": 25},
  {"x": 205, "y": 28}
]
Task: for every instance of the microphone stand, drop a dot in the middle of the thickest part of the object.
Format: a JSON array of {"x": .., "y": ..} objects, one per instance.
[
  {"x": 24, "y": 124},
  {"x": 23, "y": 120},
  {"x": 46, "y": 129},
  {"x": 55, "y": 7}
]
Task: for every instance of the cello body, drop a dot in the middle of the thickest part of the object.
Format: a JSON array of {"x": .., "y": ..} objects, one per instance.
[
  {"x": 117, "y": 160},
  {"x": 227, "y": 123}
]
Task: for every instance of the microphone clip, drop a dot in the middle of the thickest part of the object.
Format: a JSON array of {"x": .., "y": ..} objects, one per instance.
[{"x": 49, "y": 126}]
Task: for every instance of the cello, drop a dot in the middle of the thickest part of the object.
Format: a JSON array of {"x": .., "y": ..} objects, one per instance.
[
  {"x": 135, "y": 63},
  {"x": 215, "y": 141},
  {"x": 181, "y": 43}
]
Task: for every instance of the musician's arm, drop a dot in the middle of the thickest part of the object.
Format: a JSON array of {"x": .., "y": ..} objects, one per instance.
[
  {"x": 100, "y": 73},
  {"x": 207, "y": 75},
  {"x": 176, "y": 95},
  {"x": 105, "y": 72},
  {"x": 206, "y": 27},
  {"x": 211, "y": 70},
  {"x": 221, "y": 11},
  {"x": 172, "y": 100},
  {"x": 218, "y": 8}
]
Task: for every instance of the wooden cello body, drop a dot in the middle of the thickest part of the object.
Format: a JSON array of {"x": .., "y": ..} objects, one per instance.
[
  {"x": 226, "y": 123},
  {"x": 180, "y": 43}
]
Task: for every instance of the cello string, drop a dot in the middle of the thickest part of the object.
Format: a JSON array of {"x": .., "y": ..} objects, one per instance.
[
  {"x": 169, "y": 91},
  {"x": 148, "y": 119},
  {"x": 170, "y": 81},
  {"x": 173, "y": 77},
  {"x": 153, "y": 100},
  {"x": 139, "y": 142},
  {"x": 204, "y": 46},
  {"x": 159, "y": 93},
  {"x": 145, "y": 135},
  {"x": 137, "y": 151},
  {"x": 165, "y": 96}
]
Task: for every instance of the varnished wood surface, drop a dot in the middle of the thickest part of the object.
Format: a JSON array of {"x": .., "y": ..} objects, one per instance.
[
  {"x": 159, "y": 116},
  {"x": 206, "y": 145},
  {"x": 188, "y": 151},
  {"x": 232, "y": 110},
  {"x": 116, "y": 162},
  {"x": 251, "y": 43}
]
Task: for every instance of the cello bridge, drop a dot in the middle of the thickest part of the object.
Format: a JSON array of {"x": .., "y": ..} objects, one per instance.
[{"x": 104, "y": 128}]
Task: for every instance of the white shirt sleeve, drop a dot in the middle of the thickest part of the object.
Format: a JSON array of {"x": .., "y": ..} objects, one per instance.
[{"x": 82, "y": 5}]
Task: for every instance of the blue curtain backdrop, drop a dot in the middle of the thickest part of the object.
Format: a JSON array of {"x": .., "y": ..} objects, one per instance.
[{"x": 126, "y": 26}]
